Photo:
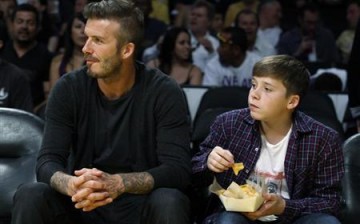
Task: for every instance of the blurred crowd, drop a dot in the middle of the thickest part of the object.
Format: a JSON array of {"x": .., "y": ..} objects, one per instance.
[{"x": 203, "y": 42}]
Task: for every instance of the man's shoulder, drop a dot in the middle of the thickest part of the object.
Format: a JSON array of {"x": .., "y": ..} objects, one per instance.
[
  {"x": 154, "y": 78},
  {"x": 11, "y": 71},
  {"x": 76, "y": 77}
]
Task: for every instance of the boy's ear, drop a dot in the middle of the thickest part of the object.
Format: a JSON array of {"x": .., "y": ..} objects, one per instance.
[{"x": 293, "y": 101}]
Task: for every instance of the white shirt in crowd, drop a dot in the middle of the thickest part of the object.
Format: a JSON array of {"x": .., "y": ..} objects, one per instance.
[
  {"x": 200, "y": 55},
  {"x": 218, "y": 75}
]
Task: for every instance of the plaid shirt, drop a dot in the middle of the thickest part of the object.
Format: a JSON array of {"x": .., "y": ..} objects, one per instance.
[{"x": 314, "y": 163}]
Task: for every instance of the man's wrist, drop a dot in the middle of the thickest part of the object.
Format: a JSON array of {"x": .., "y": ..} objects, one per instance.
[{"x": 60, "y": 182}]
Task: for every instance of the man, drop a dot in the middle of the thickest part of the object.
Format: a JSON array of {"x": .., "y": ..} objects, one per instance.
[
  {"x": 269, "y": 21},
  {"x": 26, "y": 52},
  {"x": 14, "y": 87},
  {"x": 247, "y": 20},
  {"x": 116, "y": 141},
  {"x": 234, "y": 64},
  {"x": 203, "y": 44},
  {"x": 346, "y": 39},
  {"x": 309, "y": 42}
]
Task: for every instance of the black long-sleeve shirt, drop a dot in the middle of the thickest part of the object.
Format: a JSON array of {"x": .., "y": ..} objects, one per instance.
[{"x": 157, "y": 139}]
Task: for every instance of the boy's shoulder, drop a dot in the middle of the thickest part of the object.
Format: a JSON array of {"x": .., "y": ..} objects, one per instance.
[{"x": 236, "y": 116}]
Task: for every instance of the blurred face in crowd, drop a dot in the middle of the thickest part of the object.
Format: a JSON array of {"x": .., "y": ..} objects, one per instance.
[
  {"x": 25, "y": 27},
  {"x": 102, "y": 49},
  {"x": 6, "y": 7},
  {"x": 182, "y": 48},
  {"x": 79, "y": 5},
  {"x": 77, "y": 32},
  {"x": 199, "y": 21},
  {"x": 218, "y": 22},
  {"x": 310, "y": 22},
  {"x": 353, "y": 15},
  {"x": 225, "y": 49},
  {"x": 273, "y": 13},
  {"x": 249, "y": 23}
]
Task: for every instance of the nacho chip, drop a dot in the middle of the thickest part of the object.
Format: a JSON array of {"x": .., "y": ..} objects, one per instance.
[{"x": 237, "y": 167}]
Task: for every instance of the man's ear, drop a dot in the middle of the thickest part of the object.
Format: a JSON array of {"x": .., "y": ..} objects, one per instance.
[
  {"x": 128, "y": 50},
  {"x": 294, "y": 101}
]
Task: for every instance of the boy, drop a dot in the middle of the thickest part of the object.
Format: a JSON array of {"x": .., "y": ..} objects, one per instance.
[{"x": 300, "y": 159}]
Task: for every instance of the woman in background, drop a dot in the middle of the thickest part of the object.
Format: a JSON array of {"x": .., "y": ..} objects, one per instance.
[
  {"x": 175, "y": 58},
  {"x": 72, "y": 57}
]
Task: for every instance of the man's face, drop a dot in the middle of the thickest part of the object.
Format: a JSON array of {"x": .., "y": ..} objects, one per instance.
[
  {"x": 24, "y": 27},
  {"x": 225, "y": 49},
  {"x": 199, "y": 20},
  {"x": 352, "y": 15},
  {"x": 102, "y": 50},
  {"x": 310, "y": 22},
  {"x": 249, "y": 24}
]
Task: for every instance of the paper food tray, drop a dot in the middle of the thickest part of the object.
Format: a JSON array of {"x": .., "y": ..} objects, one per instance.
[{"x": 250, "y": 204}]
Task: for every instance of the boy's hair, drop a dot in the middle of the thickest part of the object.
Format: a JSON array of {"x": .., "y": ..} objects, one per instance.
[
  {"x": 130, "y": 18},
  {"x": 293, "y": 73}
]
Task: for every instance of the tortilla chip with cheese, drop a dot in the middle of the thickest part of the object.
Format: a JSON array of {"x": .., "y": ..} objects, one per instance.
[{"x": 237, "y": 167}]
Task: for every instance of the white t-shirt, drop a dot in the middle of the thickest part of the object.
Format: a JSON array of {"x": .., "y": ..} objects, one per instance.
[
  {"x": 270, "y": 166},
  {"x": 218, "y": 75},
  {"x": 272, "y": 35},
  {"x": 200, "y": 55}
]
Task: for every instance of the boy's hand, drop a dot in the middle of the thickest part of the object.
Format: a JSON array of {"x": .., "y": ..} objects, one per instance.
[
  {"x": 220, "y": 160},
  {"x": 273, "y": 205}
]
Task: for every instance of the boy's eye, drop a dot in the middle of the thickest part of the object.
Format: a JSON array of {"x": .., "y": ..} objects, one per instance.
[{"x": 267, "y": 89}]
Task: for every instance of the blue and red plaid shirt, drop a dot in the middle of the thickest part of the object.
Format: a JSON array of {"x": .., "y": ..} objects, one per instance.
[{"x": 314, "y": 163}]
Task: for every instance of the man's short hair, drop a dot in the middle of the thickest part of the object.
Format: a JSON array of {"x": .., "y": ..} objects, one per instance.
[
  {"x": 210, "y": 9},
  {"x": 293, "y": 73},
  {"x": 238, "y": 37},
  {"x": 130, "y": 18},
  {"x": 26, "y": 8}
]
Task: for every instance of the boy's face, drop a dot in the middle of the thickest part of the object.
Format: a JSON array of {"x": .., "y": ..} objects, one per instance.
[{"x": 268, "y": 100}]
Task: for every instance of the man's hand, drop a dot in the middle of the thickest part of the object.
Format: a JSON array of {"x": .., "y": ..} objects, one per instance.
[
  {"x": 99, "y": 191},
  {"x": 220, "y": 160},
  {"x": 207, "y": 44},
  {"x": 273, "y": 205}
]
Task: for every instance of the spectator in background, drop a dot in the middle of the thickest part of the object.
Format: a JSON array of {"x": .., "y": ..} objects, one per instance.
[
  {"x": 202, "y": 43},
  {"x": 269, "y": 21},
  {"x": 233, "y": 66},
  {"x": 14, "y": 87},
  {"x": 217, "y": 23},
  {"x": 26, "y": 52},
  {"x": 175, "y": 58},
  {"x": 248, "y": 20},
  {"x": 236, "y": 7},
  {"x": 72, "y": 57},
  {"x": 6, "y": 10},
  {"x": 48, "y": 34},
  {"x": 310, "y": 42},
  {"x": 153, "y": 28},
  {"x": 346, "y": 38}
]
